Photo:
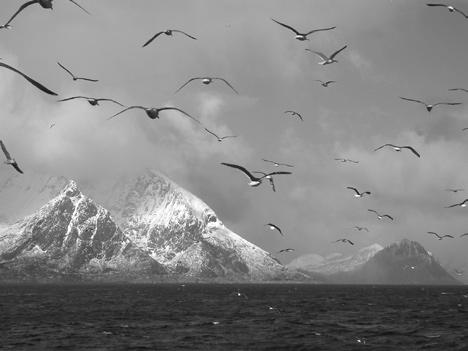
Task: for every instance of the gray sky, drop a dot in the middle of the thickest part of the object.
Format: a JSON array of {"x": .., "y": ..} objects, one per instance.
[{"x": 395, "y": 48}]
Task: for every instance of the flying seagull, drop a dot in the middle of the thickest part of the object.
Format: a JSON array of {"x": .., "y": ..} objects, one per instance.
[
  {"x": 286, "y": 250},
  {"x": 440, "y": 237},
  {"x": 325, "y": 84},
  {"x": 9, "y": 160},
  {"x": 344, "y": 160},
  {"x": 302, "y": 36},
  {"x": 358, "y": 228},
  {"x": 461, "y": 204},
  {"x": 454, "y": 190},
  {"x": 431, "y": 106},
  {"x": 459, "y": 89},
  {"x": 277, "y": 164},
  {"x": 294, "y": 113},
  {"x": 220, "y": 139},
  {"x": 399, "y": 148},
  {"x": 153, "y": 112},
  {"x": 274, "y": 227},
  {"x": 344, "y": 241},
  {"x": 449, "y": 7},
  {"x": 357, "y": 193},
  {"x": 52, "y": 125},
  {"x": 254, "y": 181},
  {"x": 91, "y": 101},
  {"x": 169, "y": 33},
  {"x": 206, "y": 81},
  {"x": 380, "y": 216},
  {"x": 47, "y": 4},
  {"x": 75, "y": 77},
  {"x": 325, "y": 59},
  {"x": 30, "y": 80}
]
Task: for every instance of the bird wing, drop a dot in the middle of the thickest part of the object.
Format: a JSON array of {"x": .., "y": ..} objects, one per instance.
[
  {"x": 66, "y": 69},
  {"x": 179, "y": 31},
  {"x": 460, "y": 12},
  {"x": 276, "y": 173},
  {"x": 319, "y": 30},
  {"x": 152, "y": 38},
  {"x": 30, "y": 80},
  {"x": 413, "y": 100},
  {"x": 126, "y": 109},
  {"x": 5, "y": 151},
  {"x": 353, "y": 161},
  {"x": 15, "y": 166},
  {"x": 447, "y": 236},
  {"x": 388, "y": 216},
  {"x": 81, "y": 7},
  {"x": 321, "y": 55},
  {"x": 72, "y": 98},
  {"x": 459, "y": 89},
  {"x": 181, "y": 111},
  {"x": 349, "y": 241},
  {"x": 190, "y": 80},
  {"x": 455, "y": 205},
  {"x": 228, "y": 136},
  {"x": 246, "y": 172},
  {"x": 434, "y": 233},
  {"x": 438, "y": 5},
  {"x": 465, "y": 234},
  {"x": 412, "y": 150},
  {"x": 286, "y": 26},
  {"x": 225, "y": 81},
  {"x": 447, "y": 103},
  {"x": 285, "y": 165},
  {"x": 380, "y": 147},
  {"x": 263, "y": 159},
  {"x": 337, "y": 52},
  {"x": 111, "y": 100},
  {"x": 276, "y": 227},
  {"x": 272, "y": 183},
  {"x": 355, "y": 190},
  {"x": 374, "y": 211},
  {"x": 209, "y": 131},
  {"x": 21, "y": 8},
  {"x": 87, "y": 79}
]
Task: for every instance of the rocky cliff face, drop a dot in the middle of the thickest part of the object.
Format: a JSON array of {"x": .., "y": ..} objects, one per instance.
[
  {"x": 70, "y": 235},
  {"x": 405, "y": 262}
]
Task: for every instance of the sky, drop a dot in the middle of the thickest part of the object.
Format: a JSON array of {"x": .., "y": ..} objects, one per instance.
[{"x": 395, "y": 48}]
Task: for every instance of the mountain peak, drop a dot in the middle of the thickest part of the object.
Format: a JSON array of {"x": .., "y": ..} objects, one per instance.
[{"x": 71, "y": 189}]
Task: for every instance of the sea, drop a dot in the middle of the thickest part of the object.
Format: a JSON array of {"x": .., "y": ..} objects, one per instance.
[{"x": 233, "y": 317}]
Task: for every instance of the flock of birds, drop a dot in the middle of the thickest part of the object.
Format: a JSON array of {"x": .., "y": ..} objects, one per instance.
[{"x": 256, "y": 178}]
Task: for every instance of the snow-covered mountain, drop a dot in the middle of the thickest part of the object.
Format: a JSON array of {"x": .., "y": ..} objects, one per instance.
[
  {"x": 162, "y": 223},
  {"x": 334, "y": 263}
]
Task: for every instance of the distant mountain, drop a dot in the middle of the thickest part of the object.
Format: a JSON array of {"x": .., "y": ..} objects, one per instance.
[
  {"x": 334, "y": 263},
  {"x": 71, "y": 238},
  {"x": 405, "y": 262}
]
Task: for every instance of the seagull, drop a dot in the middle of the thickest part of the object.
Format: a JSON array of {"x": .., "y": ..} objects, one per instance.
[
  {"x": 325, "y": 84},
  {"x": 169, "y": 33},
  {"x": 454, "y": 190},
  {"x": 302, "y": 36},
  {"x": 440, "y": 237},
  {"x": 449, "y": 7},
  {"x": 344, "y": 160},
  {"x": 461, "y": 236},
  {"x": 286, "y": 250},
  {"x": 239, "y": 294},
  {"x": 399, "y": 148},
  {"x": 254, "y": 181},
  {"x": 430, "y": 107},
  {"x": 9, "y": 160},
  {"x": 277, "y": 164},
  {"x": 30, "y": 80},
  {"x": 91, "y": 101},
  {"x": 343, "y": 241},
  {"x": 153, "y": 112},
  {"x": 459, "y": 89},
  {"x": 379, "y": 216},
  {"x": 75, "y": 77},
  {"x": 294, "y": 113},
  {"x": 358, "y": 228},
  {"x": 461, "y": 204},
  {"x": 52, "y": 125},
  {"x": 220, "y": 139},
  {"x": 357, "y": 193},
  {"x": 274, "y": 227},
  {"x": 325, "y": 59},
  {"x": 206, "y": 81},
  {"x": 47, "y": 4}
]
